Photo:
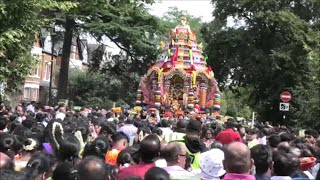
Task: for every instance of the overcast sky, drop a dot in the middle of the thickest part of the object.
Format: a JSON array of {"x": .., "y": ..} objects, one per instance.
[{"x": 198, "y": 8}]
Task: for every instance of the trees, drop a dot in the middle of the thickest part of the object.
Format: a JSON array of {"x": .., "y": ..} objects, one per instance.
[
  {"x": 126, "y": 23},
  {"x": 20, "y": 22},
  {"x": 271, "y": 51}
]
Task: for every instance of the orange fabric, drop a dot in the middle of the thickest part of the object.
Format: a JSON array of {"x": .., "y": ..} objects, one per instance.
[{"x": 111, "y": 156}]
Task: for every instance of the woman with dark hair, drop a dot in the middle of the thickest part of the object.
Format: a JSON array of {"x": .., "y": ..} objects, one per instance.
[
  {"x": 69, "y": 149},
  {"x": 207, "y": 136},
  {"x": 99, "y": 147},
  {"x": 39, "y": 167},
  {"x": 65, "y": 171},
  {"x": 6, "y": 142},
  {"x": 29, "y": 148},
  {"x": 129, "y": 156}
]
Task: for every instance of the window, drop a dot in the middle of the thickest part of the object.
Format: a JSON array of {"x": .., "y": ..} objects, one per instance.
[
  {"x": 47, "y": 71},
  {"x": 26, "y": 93}
]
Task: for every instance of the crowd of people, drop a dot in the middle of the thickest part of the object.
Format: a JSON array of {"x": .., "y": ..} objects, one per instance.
[{"x": 58, "y": 143}]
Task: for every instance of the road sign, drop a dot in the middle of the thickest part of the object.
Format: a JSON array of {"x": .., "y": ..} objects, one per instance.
[
  {"x": 285, "y": 96},
  {"x": 284, "y": 106}
]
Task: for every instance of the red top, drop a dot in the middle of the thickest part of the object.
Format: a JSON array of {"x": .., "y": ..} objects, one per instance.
[
  {"x": 138, "y": 170},
  {"x": 228, "y": 136}
]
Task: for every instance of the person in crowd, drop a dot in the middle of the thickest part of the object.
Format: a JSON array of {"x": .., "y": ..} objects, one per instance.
[
  {"x": 20, "y": 114},
  {"x": 193, "y": 143},
  {"x": 149, "y": 152},
  {"x": 129, "y": 156},
  {"x": 164, "y": 125},
  {"x": 229, "y": 135},
  {"x": 251, "y": 137},
  {"x": 175, "y": 154},
  {"x": 5, "y": 162},
  {"x": 129, "y": 129},
  {"x": 40, "y": 166},
  {"x": 216, "y": 144},
  {"x": 262, "y": 156},
  {"x": 120, "y": 142},
  {"x": 237, "y": 162},
  {"x": 92, "y": 168},
  {"x": 156, "y": 173},
  {"x": 211, "y": 164},
  {"x": 179, "y": 132},
  {"x": 29, "y": 148},
  {"x": 99, "y": 147},
  {"x": 207, "y": 136},
  {"x": 274, "y": 140},
  {"x": 311, "y": 136},
  {"x": 284, "y": 165},
  {"x": 65, "y": 171}
]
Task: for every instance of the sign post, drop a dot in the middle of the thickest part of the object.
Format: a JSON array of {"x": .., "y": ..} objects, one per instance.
[{"x": 285, "y": 98}]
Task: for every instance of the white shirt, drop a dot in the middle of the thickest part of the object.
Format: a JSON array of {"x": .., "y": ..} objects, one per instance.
[{"x": 280, "y": 178}]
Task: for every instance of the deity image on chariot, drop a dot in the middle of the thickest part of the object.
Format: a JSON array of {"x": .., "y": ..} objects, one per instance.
[{"x": 180, "y": 79}]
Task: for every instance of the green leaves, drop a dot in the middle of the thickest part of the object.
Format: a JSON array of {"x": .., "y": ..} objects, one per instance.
[{"x": 269, "y": 53}]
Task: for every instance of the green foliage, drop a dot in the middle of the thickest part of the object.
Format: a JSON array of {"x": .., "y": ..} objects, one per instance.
[
  {"x": 20, "y": 22},
  {"x": 271, "y": 52},
  {"x": 236, "y": 103}
]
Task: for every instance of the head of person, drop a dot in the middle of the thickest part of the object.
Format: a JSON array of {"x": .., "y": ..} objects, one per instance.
[
  {"x": 230, "y": 124},
  {"x": 274, "y": 140},
  {"x": 164, "y": 123},
  {"x": 284, "y": 163},
  {"x": 211, "y": 164},
  {"x": 175, "y": 154},
  {"x": 40, "y": 166},
  {"x": 237, "y": 158},
  {"x": 69, "y": 148},
  {"x": 66, "y": 171},
  {"x": 216, "y": 144},
  {"x": 98, "y": 147},
  {"x": 311, "y": 136},
  {"x": 242, "y": 131},
  {"x": 129, "y": 156},
  {"x": 252, "y": 134},
  {"x": 207, "y": 133},
  {"x": 92, "y": 168},
  {"x": 11, "y": 174},
  {"x": 119, "y": 141},
  {"x": 6, "y": 162},
  {"x": 19, "y": 110},
  {"x": 262, "y": 156},
  {"x": 157, "y": 173},
  {"x": 193, "y": 129},
  {"x": 182, "y": 125},
  {"x": 150, "y": 149},
  {"x": 107, "y": 129}
]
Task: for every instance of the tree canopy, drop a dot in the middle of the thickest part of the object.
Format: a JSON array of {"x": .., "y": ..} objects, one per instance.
[
  {"x": 20, "y": 22},
  {"x": 271, "y": 52}
]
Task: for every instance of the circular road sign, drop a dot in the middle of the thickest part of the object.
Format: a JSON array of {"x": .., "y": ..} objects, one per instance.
[{"x": 285, "y": 96}]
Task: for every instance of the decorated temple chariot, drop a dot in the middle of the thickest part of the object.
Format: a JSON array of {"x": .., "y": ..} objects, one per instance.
[{"x": 180, "y": 79}]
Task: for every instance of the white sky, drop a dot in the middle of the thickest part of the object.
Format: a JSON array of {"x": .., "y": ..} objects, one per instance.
[{"x": 198, "y": 8}]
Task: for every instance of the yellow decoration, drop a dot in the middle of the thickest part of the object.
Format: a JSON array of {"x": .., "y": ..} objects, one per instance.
[
  {"x": 194, "y": 77},
  {"x": 162, "y": 45},
  {"x": 160, "y": 73},
  {"x": 190, "y": 54},
  {"x": 137, "y": 108},
  {"x": 117, "y": 109},
  {"x": 172, "y": 42}
]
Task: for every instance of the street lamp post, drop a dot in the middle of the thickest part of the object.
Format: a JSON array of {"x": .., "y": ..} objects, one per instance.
[{"x": 51, "y": 66}]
